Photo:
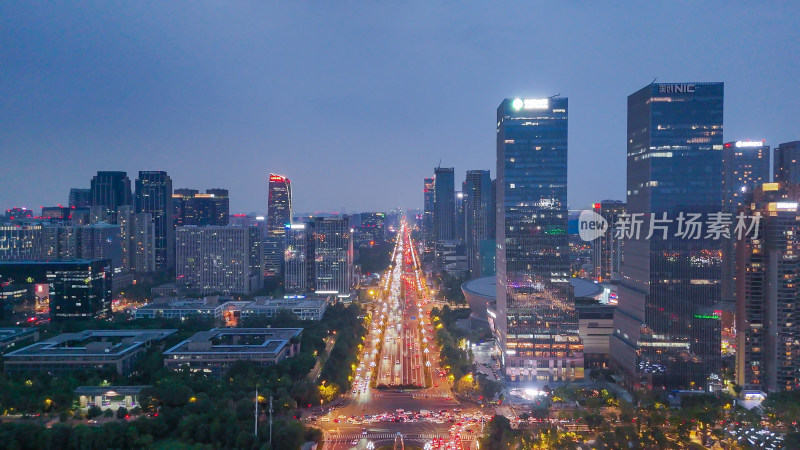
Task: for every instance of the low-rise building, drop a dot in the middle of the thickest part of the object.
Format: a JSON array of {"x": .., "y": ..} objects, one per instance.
[
  {"x": 109, "y": 397},
  {"x": 87, "y": 350},
  {"x": 181, "y": 308},
  {"x": 11, "y": 338},
  {"x": 303, "y": 308},
  {"x": 214, "y": 351}
]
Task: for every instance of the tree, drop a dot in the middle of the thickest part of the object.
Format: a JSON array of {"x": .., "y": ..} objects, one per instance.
[{"x": 94, "y": 411}]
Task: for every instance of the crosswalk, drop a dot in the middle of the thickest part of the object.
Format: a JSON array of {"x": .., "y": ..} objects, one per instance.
[
  {"x": 421, "y": 395},
  {"x": 384, "y": 436}
]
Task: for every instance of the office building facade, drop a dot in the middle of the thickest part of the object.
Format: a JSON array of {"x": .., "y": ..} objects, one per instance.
[
  {"x": 607, "y": 249},
  {"x": 536, "y": 324},
  {"x": 225, "y": 260},
  {"x": 333, "y": 255},
  {"x": 786, "y": 163},
  {"x": 427, "y": 215},
  {"x": 80, "y": 198},
  {"x": 674, "y": 152},
  {"x": 78, "y": 289},
  {"x": 154, "y": 196},
  {"x": 193, "y": 208},
  {"x": 444, "y": 206},
  {"x": 745, "y": 166},
  {"x": 478, "y": 216},
  {"x": 111, "y": 189},
  {"x": 768, "y": 293},
  {"x": 279, "y": 214},
  {"x": 299, "y": 258}
]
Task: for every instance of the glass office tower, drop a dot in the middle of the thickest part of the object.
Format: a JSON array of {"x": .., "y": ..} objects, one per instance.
[
  {"x": 279, "y": 214},
  {"x": 477, "y": 216},
  {"x": 536, "y": 326},
  {"x": 674, "y": 152},
  {"x": 427, "y": 215},
  {"x": 745, "y": 166},
  {"x": 444, "y": 204},
  {"x": 154, "y": 196}
]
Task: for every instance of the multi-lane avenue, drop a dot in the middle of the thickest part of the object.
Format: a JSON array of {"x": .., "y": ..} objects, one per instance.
[{"x": 397, "y": 386}]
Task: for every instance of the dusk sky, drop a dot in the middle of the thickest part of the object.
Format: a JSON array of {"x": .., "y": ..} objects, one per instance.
[{"x": 356, "y": 102}]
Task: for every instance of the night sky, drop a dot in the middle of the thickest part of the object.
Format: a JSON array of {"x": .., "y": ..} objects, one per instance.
[{"x": 356, "y": 102}]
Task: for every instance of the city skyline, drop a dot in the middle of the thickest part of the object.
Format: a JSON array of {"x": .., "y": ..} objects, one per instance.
[{"x": 193, "y": 100}]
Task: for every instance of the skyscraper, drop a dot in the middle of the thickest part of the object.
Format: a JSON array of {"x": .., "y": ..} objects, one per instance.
[
  {"x": 477, "y": 216},
  {"x": 193, "y": 208},
  {"x": 299, "y": 258},
  {"x": 333, "y": 255},
  {"x": 111, "y": 190},
  {"x": 80, "y": 198},
  {"x": 427, "y": 214},
  {"x": 536, "y": 326},
  {"x": 786, "y": 163},
  {"x": 154, "y": 196},
  {"x": 768, "y": 293},
  {"x": 607, "y": 249},
  {"x": 279, "y": 214},
  {"x": 745, "y": 166},
  {"x": 674, "y": 151},
  {"x": 444, "y": 207}
]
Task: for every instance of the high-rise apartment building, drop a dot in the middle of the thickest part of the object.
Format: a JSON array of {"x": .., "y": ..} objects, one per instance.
[
  {"x": 478, "y": 216},
  {"x": 444, "y": 204},
  {"x": 279, "y": 214},
  {"x": 607, "y": 249},
  {"x": 154, "y": 196},
  {"x": 333, "y": 255},
  {"x": 536, "y": 325},
  {"x": 745, "y": 166},
  {"x": 768, "y": 293},
  {"x": 674, "y": 161},
  {"x": 111, "y": 189},
  {"x": 214, "y": 259}
]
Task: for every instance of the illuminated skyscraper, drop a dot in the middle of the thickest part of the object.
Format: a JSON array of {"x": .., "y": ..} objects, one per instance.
[
  {"x": 333, "y": 255},
  {"x": 427, "y": 214},
  {"x": 279, "y": 214},
  {"x": 299, "y": 258},
  {"x": 535, "y": 323},
  {"x": 193, "y": 208},
  {"x": 607, "y": 249},
  {"x": 154, "y": 196},
  {"x": 674, "y": 151},
  {"x": 768, "y": 292},
  {"x": 745, "y": 166}
]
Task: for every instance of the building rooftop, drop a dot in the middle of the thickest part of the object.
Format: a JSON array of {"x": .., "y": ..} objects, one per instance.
[
  {"x": 110, "y": 390},
  {"x": 237, "y": 340},
  {"x": 92, "y": 342}
]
